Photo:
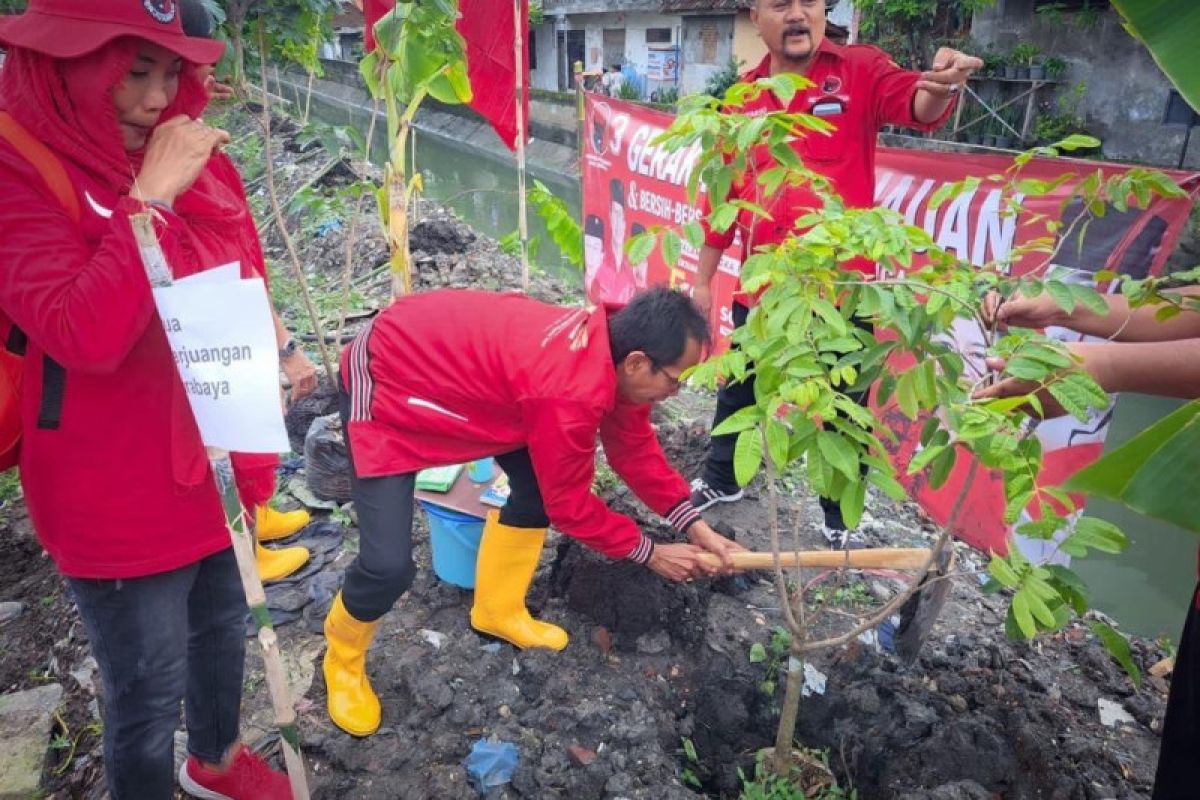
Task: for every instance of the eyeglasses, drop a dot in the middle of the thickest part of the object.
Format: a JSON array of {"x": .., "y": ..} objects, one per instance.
[{"x": 675, "y": 380}]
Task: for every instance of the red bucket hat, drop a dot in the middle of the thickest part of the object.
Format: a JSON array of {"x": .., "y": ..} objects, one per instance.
[{"x": 73, "y": 28}]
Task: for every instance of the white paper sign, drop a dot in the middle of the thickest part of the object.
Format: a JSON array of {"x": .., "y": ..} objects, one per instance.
[
  {"x": 222, "y": 274},
  {"x": 223, "y": 339}
]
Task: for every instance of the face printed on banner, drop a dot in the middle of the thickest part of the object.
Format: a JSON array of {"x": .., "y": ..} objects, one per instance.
[
  {"x": 791, "y": 29},
  {"x": 593, "y": 248},
  {"x": 145, "y": 92},
  {"x": 616, "y": 218},
  {"x": 639, "y": 270}
]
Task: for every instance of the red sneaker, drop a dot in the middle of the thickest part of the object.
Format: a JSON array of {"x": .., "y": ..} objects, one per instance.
[{"x": 247, "y": 778}]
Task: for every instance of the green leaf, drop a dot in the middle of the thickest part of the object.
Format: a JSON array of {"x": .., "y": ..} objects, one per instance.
[
  {"x": 693, "y": 232},
  {"x": 839, "y": 453},
  {"x": 778, "y": 443},
  {"x": 888, "y": 485},
  {"x": 369, "y": 69},
  {"x": 1089, "y": 298},
  {"x": 640, "y": 247},
  {"x": 740, "y": 420},
  {"x": 758, "y": 653},
  {"x": 1168, "y": 31},
  {"x": 1061, "y": 294},
  {"x": 1099, "y": 534},
  {"x": 1023, "y": 615},
  {"x": 1117, "y": 646},
  {"x": 942, "y": 466},
  {"x": 671, "y": 248},
  {"x": 722, "y": 217},
  {"x": 1076, "y": 141},
  {"x": 852, "y": 503},
  {"x": 1004, "y": 574},
  {"x": 906, "y": 394},
  {"x": 1155, "y": 473},
  {"x": 747, "y": 456}
]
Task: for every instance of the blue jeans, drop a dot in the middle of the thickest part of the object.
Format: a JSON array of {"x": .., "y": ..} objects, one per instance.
[{"x": 178, "y": 636}]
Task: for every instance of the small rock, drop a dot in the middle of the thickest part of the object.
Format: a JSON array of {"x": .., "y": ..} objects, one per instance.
[
  {"x": 433, "y": 637},
  {"x": 958, "y": 703},
  {"x": 10, "y": 611},
  {"x": 1160, "y": 670},
  {"x": 26, "y": 719},
  {"x": 602, "y": 639},
  {"x": 651, "y": 644},
  {"x": 505, "y": 712},
  {"x": 1113, "y": 714},
  {"x": 580, "y": 755}
]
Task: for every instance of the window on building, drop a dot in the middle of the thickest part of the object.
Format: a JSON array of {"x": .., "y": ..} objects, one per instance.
[
  {"x": 532, "y": 49},
  {"x": 658, "y": 36}
]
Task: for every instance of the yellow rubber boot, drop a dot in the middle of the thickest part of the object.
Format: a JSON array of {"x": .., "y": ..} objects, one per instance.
[
  {"x": 275, "y": 565},
  {"x": 270, "y": 524},
  {"x": 507, "y": 560},
  {"x": 352, "y": 703}
]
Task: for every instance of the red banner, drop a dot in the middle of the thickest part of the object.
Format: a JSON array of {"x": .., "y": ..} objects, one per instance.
[{"x": 631, "y": 185}]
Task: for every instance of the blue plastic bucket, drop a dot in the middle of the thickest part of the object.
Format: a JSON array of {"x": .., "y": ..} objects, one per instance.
[{"x": 454, "y": 538}]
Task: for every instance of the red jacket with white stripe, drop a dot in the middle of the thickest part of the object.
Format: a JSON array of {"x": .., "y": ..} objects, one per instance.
[
  {"x": 449, "y": 376},
  {"x": 101, "y": 484}
]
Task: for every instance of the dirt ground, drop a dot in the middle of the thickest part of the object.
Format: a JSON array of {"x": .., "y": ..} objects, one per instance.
[{"x": 654, "y": 671}]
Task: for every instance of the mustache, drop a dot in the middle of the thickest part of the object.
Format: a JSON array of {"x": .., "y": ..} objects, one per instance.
[{"x": 792, "y": 30}]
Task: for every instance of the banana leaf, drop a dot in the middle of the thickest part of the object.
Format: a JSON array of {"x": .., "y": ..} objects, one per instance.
[
  {"x": 1169, "y": 29},
  {"x": 1156, "y": 473}
]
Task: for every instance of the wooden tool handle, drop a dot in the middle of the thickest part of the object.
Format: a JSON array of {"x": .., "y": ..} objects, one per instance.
[{"x": 875, "y": 558}]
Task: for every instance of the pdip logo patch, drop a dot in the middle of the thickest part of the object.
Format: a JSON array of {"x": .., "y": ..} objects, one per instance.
[
  {"x": 831, "y": 85},
  {"x": 161, "y": 10}
]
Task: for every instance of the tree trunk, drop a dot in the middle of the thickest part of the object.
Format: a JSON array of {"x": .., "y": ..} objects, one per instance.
[{"x": 785, "y": 734}]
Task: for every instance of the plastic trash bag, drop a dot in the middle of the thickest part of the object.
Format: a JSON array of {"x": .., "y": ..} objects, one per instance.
[
  {"x": 491, "y": 764},
  {"x": 327, "y": 462}
]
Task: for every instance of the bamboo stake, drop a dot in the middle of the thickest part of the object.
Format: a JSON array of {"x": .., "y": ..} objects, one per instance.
[
  {"x": 522, "y": 211},
  {"x": 277, "y": 210},
  {"x": 159, "y": 274}
]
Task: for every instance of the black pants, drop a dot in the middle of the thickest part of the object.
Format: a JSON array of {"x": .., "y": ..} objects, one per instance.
[
  {"x": 384, "y": 568},
  {"x": 1178, "y": 775},
  {"x": 178, "y": 636},
  {"x": 732, "y": 397}
]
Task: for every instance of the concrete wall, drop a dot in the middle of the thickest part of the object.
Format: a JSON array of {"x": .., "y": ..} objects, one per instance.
[
  {"x": 546, "y": 74},
  {"x": 748, "y": 46},
  {"x": 707, "y": 48},
  {"x": 1126, "y": 92}
]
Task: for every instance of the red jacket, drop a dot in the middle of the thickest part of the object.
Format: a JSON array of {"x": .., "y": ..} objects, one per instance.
[
  {"x": 449, "y": 376},
  {"x": 102, "y": 488},
  {"x": 859, "y": 89}
]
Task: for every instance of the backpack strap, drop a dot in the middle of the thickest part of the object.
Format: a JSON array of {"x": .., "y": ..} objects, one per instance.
[
  {"x": 54, "y": 377},
  {"x": 44, "y": 161}
]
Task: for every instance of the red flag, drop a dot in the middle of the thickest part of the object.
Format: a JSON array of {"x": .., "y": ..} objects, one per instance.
[{"x": 488, "y": 27}]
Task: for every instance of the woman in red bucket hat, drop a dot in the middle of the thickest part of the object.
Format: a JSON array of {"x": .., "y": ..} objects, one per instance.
[{"x": 101, "y": 120}]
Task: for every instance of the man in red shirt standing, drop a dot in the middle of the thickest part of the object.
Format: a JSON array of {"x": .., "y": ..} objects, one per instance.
[
  {"x": 613, "y": 281},
  {"x": 451, "y": 376},
  {"x": 858, "y": 89}
]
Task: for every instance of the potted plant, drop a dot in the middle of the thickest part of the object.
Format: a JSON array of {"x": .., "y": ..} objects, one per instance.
[
  {"x": 1008, "y": 67},
  {"x": 1023, "y": 56},
  {"x": 989, "y": 133},
  {"x": 1055, "y": 68}
]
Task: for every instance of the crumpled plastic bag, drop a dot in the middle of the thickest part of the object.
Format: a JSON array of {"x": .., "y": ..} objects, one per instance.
[
  {"x": 327, "y": 461},
  {"x": 491, "y": 764}
]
